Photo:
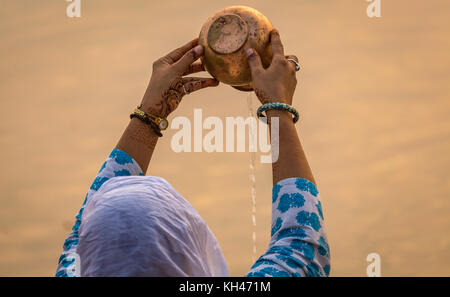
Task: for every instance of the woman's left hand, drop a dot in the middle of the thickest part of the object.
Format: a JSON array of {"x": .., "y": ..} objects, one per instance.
[{"x": 168, "y": 86}]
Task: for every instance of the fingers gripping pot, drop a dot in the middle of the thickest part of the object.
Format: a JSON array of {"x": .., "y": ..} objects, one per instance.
[{"x": 226, "y": 36}]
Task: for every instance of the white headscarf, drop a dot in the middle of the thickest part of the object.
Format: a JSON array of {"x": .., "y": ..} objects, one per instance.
[{"x": 140, "y": 226}]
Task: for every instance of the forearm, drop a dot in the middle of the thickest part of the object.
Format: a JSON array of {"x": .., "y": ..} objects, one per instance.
[
  {"x": 298, "y": 244},
  {"x": 292, "y": 160},
  {"x": 139, "y": 141}
]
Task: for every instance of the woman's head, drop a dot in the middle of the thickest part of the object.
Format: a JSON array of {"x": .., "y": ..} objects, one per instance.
[{"x": 140, "y": 226}]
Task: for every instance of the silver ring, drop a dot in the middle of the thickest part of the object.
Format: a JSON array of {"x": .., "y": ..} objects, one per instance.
[
  {"x": 297, "y": 65},
  {"x": 184, "y": 90}
]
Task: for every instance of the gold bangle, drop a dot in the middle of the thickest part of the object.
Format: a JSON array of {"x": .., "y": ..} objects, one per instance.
[{"x": 162, "y": 123}]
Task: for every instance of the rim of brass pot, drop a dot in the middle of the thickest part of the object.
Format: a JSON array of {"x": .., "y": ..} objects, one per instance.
[{"x": 226, "y": 36}]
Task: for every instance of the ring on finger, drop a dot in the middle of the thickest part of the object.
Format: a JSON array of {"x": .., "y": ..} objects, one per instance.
[
  {"x": 297, "y": 65},
  {"x": 186, "y": 92}
]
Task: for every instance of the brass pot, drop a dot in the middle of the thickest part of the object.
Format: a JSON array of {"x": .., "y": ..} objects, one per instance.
[{"x": 226, "y": 36}]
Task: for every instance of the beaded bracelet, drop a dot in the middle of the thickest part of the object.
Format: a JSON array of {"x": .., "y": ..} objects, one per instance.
[
  {"x": 279, "y": 106},
  {"x": 148, "y": 122}
]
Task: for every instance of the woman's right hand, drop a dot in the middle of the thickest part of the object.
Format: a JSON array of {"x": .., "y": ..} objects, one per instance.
[
  {"x": 168, "y": 84},
  {"x": 276, "y": 83}
]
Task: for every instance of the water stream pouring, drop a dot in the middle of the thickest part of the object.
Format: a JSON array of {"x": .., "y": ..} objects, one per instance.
[
  {"x": 252, "y": 175},
  {"x": 225, "y": 37}
]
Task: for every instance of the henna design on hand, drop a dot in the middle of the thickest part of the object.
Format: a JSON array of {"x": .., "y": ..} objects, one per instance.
[
  {"x": 168, "y": 86},
  {"x": 170, "y": 98}
]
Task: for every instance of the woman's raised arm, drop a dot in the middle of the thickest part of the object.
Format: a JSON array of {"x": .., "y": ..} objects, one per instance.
[
  {"x": 277, "y": 84},
  {"x": 164, "y": 92},
  {"x": 135, "y": 148},
  {"x": 298, "y": 245}
]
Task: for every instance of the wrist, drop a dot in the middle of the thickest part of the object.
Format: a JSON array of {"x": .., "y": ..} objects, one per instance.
[
  {"x": 276, "y": 99},
  {"x": 273, "y": 96},
  {"x": 145, "y": 130},
  {"x": 150, "y": 107},
  {"x": 151, "y": 103},
  {"x": 155, "y": 123},
  {"x": 280, "y": 107},
  {"x": 283, "y": 115}
]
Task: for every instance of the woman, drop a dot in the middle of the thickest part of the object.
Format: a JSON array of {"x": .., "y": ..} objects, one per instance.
[{"x": 134, "y": 225}]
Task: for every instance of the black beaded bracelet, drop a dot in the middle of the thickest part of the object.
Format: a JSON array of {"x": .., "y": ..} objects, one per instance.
[{"x": 148, "y": 122}]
